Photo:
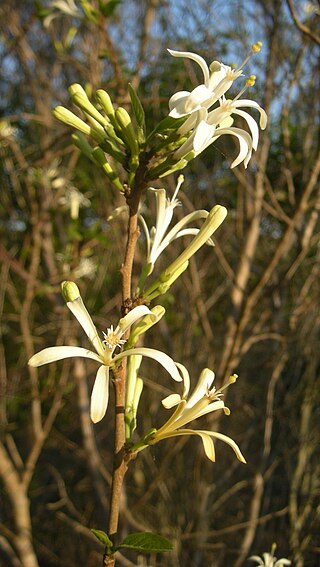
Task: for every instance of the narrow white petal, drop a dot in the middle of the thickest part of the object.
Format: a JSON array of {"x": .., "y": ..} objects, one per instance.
[
  {"x": 206, "y": 439},
  {"x": 171, "y": 401},
  {"x": 257, "y": 559},
  {"x": 186, "y": 147},
  {"x": 52, "y": 354},
  {"x": 190, "y": 123},
  {"x": 133, "y": 315},
  {"x": 203, "y": 135},
  {"x": 197, "y": 58},
  {"x": 177, "y": 97},
  {"x": 164, "y": 216},
  {"x": 213, "y": 406},
  {"x": 100, "y": 394},
  {"x": 180, "y": 108},
  {"x": 186, "y": 379},
  {"x": 229, "y": 442},
  {"x": 79, "y": 310},
  {"x": 252, "y": 104},
  {"x": 245, "y": 142},
  {"x": 252, "y": 125},
  {"x": 218, "y": 115},
  {"x": 199, "y": 97},
  {"x": 204, "y": 384},
  {"x": 207, "y": 445},
  {"x": 177, "y": 228},
  {"x": 157, "y": 355},
  {"x": 161, "y": 201},
  {"x": 146, "y": 232}
]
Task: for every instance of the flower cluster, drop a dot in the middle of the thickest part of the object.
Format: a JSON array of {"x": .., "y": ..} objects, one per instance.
[{"x": 203, "y": 127}]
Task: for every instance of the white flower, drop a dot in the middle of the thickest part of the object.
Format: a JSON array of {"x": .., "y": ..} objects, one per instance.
[
  {"x": 73, "y": 199},
  {"x": 158, "y": 238},
  {"x": 213, "y": 220},
  {"x": 7, "y": 132},
  {"x": 203, "y": 127},
  {"x": 204, "y": 399},
  {"x": 217, "y": 78},
  {"x": 227, "y": 108},
  {"x": 269, "y": 560},
  {"x": 104, "y": 350},
  {"x": 209, "y": 126},
  {"x": 58, "y": 7}
]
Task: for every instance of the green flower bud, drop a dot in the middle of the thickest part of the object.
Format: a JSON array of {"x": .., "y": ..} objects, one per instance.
[
  {"x": 82, "y": 101},
  {"x": 129, "y": 134},
  {"x": 67, "y": 117},
  {"x": 70, "y": 291}
]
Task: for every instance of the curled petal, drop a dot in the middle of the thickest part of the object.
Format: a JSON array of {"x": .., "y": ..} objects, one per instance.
[
  {"x": 206, "y": 440},
  {"x": 252, "y": 125},
  {"x": 100, "y": 394},
  {"x": 184, "y": 102},
  {"x": 52, "y": 354},
  {"x": 252, "y": 104},
  {"x": 197, "y": 58},
  {"x": 133, "y": 315},
  {"x": 178, "y": 109},
  {"x": 229, "y": 442},
  {"x": 245, "y": 143},
  {"x": 176, "y": 97},
  {"x": 157, "y": 355},
  {"x": 207, "y": 445}
]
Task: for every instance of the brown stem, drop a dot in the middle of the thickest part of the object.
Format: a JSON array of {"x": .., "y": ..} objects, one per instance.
[
  {"x": 121, "y": 458},
  {"x": 126, "y": 269}
]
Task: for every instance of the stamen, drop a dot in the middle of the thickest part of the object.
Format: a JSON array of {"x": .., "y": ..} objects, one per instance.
[
  {"x": 232, "y": 380},
  {"x": 249, "y": 83},
  {"x": 255, "y": 48},
  {"x": 179, "y": 183}
]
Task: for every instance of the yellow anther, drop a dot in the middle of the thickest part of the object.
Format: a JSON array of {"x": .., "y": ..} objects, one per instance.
[
  {"x": 256, "y": 47},
  {"x": 251, "y": 81},
  {"x": 233, "y": 378}
]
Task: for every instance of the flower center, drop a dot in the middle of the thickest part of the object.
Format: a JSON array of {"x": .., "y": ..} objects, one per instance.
[{"x": 112, "y": 339}]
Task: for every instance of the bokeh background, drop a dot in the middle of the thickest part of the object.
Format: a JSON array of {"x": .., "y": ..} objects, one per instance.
[{"x": 249, "y": 306}]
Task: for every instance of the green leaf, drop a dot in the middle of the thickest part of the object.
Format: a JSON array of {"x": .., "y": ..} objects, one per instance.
[
  {"x": 106, "y": 8},
  {"x": 104, "y": 538},
  {"x": 139, "y": 114},
  {"x": 146, "y": 542},
  {"x": 137, "y": 107},
  {"x": 168, "y": 123}
]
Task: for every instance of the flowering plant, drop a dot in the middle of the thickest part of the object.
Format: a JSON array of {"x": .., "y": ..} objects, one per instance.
[{"x": 132, "y": 158}]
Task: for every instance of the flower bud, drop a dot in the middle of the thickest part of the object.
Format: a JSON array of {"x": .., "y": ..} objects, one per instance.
[{"x": 70, "y": 291}]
